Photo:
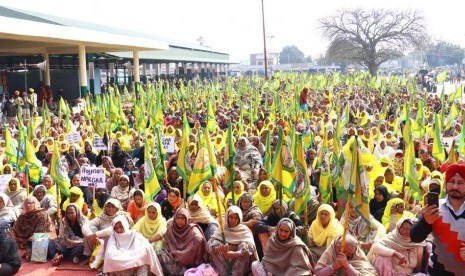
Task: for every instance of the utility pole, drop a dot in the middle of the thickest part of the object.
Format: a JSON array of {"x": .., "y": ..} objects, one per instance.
[{"x": 264, "y": 43}]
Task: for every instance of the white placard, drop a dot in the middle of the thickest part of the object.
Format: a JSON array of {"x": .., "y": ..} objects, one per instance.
[
  {"x": 92, "y": 177},
  {"x": 168, "y": 143},
  {"x": 4, "y": 180},
  {"x": 99, "y": 144},
  {"x": 74, "y": 137}
]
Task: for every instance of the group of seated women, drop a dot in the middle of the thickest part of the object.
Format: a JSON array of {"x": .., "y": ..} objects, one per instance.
[{"x": 236, "y": 234}]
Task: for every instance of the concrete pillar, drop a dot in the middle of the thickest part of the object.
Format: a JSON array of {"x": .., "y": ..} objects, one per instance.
[
  {"x": 135, "y": 56},
  {"x": 167, "y": 69},
  {"x": 47, "y": 70},
  {"x": 111, "y": 72},
  {"x": 176, "y": 69},
  {"x": 143, "y": 77},
  {"x": 91, "y": 78},
  {"x": 82, "y": 71}
]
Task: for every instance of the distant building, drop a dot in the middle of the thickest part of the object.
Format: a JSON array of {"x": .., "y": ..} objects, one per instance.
[{"x": 259, "y": 59}]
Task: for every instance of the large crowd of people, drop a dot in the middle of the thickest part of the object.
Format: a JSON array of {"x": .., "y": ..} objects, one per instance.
[{"x": 248, "y": 225}]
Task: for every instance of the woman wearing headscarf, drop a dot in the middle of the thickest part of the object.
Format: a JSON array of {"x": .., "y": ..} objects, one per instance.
[
  {"x": 383, "y": 149},
  {"x": 7, "y": 169},
  {"x": 33, "y": 220},
  {"x": 15, "y": 192},
  {"x": 42, "y": 153},
  {"x": 76, "y": 196},
  {"x": 101, "y": 196},
  {"x": 118, "y": 156},
  {"x": 137, "y": 205},
  {"x": 208, "y": 197},
  {"x": 70, "y": 241},
  {"x": 398, "y": 162},
  {"x": 153, "y": 225},
  {"x": 48, "y": 182},
  {"x": 251, "y": 214},
  {"x": 200, "y": 215},
  {"x": 46, "y": 201},
  {"x": 285, "y": 253},
  {"x": 265, "y": 196},
  {"x": 350, "y": 262},
  {"x": 379, "y": 202},
  {"x": 239, "y": 252},
  {"x": 365, "y": 232},
  {"x": 238, "y": 190},
  {"x": 122, "y": 191},
  {"x": 394, "y": 211},
  {"x": 248, "y": 159},
  {"x": 8, "y": 213},
  {"x": 100, "y": 226},
  {"x": 128, "y": 252},
  {"x": 396, "y": 254},
  {"x": 267, "y": 226},
  {"x": 323, "y": 230},
  {"x": 185, "y": 245},
  {"x": 170, "y": 204}
]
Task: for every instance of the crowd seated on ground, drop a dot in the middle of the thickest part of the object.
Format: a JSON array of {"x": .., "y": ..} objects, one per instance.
[{"x": 231, "y": 194}]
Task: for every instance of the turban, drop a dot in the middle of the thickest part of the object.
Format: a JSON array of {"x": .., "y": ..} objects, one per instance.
[{"x": 453, "y": 170}]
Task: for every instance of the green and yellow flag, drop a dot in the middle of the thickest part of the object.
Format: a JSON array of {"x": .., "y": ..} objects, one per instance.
[
  {"x": 10, "y": 147},
  {"x": 230, "y": 155},
  {"x": 322, "y": 162},
  {"x": 183, "y": 166},
  {"x": 35, "y": 166},
  {"x": 151, "y": 185},
  {"x": 302, "y": 189},
  {"x": 457, "y": 94},
  {"x": 284, "y": 172},
  {"x": 410, "y": 172},
  {"x": 441, "y": 77},
  {"x": 211, "y": 121},
  {"x": 438, "y": 148},
  {"x": 204, "y": 165},
  {"x": 359, "y": 184},
  {"x": 58, "y": 172},
  {"x": 461, "y": 148}
]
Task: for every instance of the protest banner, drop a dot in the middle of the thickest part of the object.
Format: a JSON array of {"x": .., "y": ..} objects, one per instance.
[{"x": 92, "y": 177}]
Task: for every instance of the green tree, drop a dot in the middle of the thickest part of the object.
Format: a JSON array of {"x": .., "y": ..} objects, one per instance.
[
  {"x": 291, "y": 54},
  {"x": 370, "y": 38},
  {"x": 444, "y": 53}
]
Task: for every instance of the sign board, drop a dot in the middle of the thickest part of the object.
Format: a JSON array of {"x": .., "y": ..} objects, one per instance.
[
  {"x": 74, "y": 137},
  {"x": 92, "y": 177},
  {"x": 168, "y": 144},
  {"x": 4, "y": 180},
  {"x": 99, "y": 144}
]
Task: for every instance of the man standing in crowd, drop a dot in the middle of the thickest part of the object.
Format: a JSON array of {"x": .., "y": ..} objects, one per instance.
[{"x": 447, "y": 222}]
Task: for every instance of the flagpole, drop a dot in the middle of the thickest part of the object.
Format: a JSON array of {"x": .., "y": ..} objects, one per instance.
[{"x": 349, "y": 194}]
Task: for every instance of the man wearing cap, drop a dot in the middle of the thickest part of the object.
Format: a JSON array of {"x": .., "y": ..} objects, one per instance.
[{"x": 447, "y": 224}]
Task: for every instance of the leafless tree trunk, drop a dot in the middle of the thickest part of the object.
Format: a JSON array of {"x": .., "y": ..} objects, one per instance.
[{"x": 370, "y": 38}]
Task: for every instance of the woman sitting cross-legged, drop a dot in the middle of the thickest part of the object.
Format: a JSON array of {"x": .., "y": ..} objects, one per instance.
[
  {"x": 201, "y": 216},
  {"x": 185, "y": 245},
  {"x": 70, "y": 242},
  {"x": 239, "y": 251},
  {"x": 285, "y": 253},
  {"x": 33, "y": 220},
  {"x": 128, "y": 252},
  {"x": 396, "y": 254},
  {"x": 351, "y": 262},
  {"x": 153, "y": 225}
]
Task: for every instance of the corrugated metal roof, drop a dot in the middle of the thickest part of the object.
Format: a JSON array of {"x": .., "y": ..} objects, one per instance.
[{"x": 178, "y": 50}]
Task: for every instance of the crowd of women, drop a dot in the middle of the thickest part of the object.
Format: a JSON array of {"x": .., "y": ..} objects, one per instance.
[{"x": 239, "y": 230}]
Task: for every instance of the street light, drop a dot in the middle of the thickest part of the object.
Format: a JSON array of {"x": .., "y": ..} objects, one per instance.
[{"x": 264, "y": 43}]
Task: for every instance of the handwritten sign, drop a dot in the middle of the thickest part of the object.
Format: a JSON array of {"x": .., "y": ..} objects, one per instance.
[
  {"x": 74, "y": 137},
  {"x": 92, "y": 177},
  {"x": 168, "y": 144},
  {"x": 4, "y": 180},
  {"x": 99, "y": 144}
]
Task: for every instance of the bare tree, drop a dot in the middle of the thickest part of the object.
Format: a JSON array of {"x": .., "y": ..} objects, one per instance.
[{"x": 370, "y": 38}]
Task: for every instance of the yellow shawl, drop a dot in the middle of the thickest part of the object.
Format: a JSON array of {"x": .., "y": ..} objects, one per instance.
[
  {"x": 325, "y": 235},
  {"x": 265, "y": 203}
]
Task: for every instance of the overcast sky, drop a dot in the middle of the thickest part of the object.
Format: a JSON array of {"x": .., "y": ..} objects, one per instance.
[{"x": 235, "y": 26}]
